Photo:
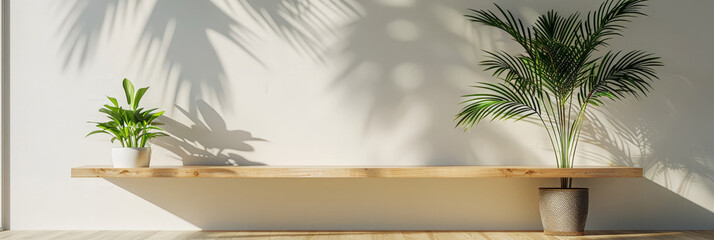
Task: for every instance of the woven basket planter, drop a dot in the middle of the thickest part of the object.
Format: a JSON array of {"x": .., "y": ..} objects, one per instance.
[{"x": 563, "y": 211}]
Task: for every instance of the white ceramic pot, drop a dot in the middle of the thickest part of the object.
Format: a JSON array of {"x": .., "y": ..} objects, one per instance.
[{"x": 131, "y": 157}]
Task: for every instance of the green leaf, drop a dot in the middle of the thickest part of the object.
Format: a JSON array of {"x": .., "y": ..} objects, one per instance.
[
  {"x": 96, "y": 132},
  {"x": 111, "y": 108},
  {"x": 155, "y": 116},
  {"x": 128, "y": 91},
  {"x": 155, "y": 128},
  {"x": 114, "y": 101},
  {"x": 505, "y": 102},
  {"x": 138, "y": 96}
]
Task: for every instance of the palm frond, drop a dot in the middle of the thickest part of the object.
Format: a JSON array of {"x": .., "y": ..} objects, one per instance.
[
  {"x": 508, "y": 24},
  {"x": 608, "y": 21},
  {"x": 617, "y": 77},
  {"x": 519, "y": 70},
  {"x": 505, "y": 101},
  {"x": 555, "y": 28}
]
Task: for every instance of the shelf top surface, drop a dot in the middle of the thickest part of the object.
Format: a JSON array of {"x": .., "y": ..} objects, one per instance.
[{"x": 357, "y": 172}]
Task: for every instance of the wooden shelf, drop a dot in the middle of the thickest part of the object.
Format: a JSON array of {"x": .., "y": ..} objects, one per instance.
[{"x": 356, "y": 172}]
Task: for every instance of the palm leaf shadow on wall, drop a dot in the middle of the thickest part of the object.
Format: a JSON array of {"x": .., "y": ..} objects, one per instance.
[
  {"x": 175, "y": 37},
  {"x": 206, "y": 140},
  {"x": 644, "y": 143},
  {"x": 404, "y": 59},
  {"x": 304, "y": 24},
  {"x": 182, "y": 28},
  {"x": 82, "y": 25}
]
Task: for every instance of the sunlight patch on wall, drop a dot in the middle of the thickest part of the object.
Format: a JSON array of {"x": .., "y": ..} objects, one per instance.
[
  {"x": 408, "y": 76},
  {"x": 403, "y": 30},
  {"x": 397, "y": 3}
]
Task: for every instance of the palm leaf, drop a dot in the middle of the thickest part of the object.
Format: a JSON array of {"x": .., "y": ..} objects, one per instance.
[
  {"x": 504, "y": 102},
  {"x": 510, "y": 25},
  {"x": 616, "y": 77}
]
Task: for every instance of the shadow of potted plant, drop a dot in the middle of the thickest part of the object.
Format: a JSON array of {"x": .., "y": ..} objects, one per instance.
[
  {"x": 559, "y": 75},
  {"x": 205, "y": 139},
  {"x": 132, "y": 127}
]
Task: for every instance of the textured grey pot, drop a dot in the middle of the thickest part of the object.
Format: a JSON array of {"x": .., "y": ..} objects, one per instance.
[{"x": 563, "y": 211}]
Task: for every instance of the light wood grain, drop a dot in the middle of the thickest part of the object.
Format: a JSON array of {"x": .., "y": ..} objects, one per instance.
[
  {"x": 357, "y": 172},
  {"x": 344, "y": 235}
]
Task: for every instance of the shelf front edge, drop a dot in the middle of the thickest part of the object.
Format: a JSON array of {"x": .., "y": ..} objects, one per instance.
[{"x": 356, "y": 172}]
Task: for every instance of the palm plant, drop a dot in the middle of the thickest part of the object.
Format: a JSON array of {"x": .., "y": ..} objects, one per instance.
[
  {"x": 561, "y": 72},
  {"x": 132, "y": 127}
]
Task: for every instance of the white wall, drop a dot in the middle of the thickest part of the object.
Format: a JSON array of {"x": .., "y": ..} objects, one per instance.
[{"x": 332, "y": 83}]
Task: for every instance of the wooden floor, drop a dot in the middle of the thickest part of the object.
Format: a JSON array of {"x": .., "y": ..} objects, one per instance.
[{"x": 210, "y": 235}]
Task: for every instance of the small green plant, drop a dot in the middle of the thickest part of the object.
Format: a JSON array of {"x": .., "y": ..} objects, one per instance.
[
  {"x": 132, "y": 127},
  {"x": 563, "y": 70}
]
